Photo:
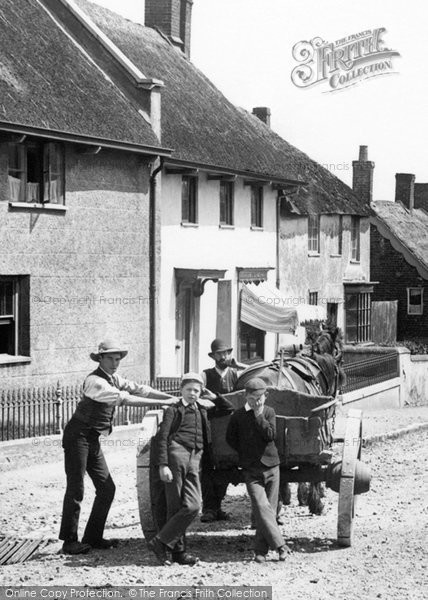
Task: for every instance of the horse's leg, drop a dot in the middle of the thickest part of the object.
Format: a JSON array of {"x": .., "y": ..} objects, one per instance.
[
  {"x": 315, "y": 504},
  {"x": 285, "y": 492},
  {"x": 302, "y": 493}
]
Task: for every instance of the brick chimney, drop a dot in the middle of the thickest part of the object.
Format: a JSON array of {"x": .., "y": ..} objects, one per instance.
[
  {"x": 405, "y": 189},
  {"x": 262, "y": 113},
  {"x": 173, "y": 18},
  {"x": 362, "y": 176}
]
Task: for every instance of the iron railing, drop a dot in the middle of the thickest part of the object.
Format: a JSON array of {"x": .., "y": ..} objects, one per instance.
[
  {"x": 374, "y": 368},
  {"x": 35, "y": 412}
]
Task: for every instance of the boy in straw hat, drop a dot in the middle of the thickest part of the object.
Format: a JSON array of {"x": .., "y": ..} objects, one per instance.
[
  {"x": 103, "y": 390},
  {"x": 251, "y": 432}
]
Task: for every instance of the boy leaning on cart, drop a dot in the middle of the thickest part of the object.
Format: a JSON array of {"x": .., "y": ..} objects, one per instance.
[
  {"x": 251, "y": 432},
  {"x": 183, "y": 436}
]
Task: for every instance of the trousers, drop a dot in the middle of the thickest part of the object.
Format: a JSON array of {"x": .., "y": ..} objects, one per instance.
[
  {"x": 183, "y": 495},
  {"x": 83, "y": 453},
  {"x": 262, "y": 486}
]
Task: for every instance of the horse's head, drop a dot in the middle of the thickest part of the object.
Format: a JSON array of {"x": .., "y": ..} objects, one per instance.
[{"x": 330, "y": 341}]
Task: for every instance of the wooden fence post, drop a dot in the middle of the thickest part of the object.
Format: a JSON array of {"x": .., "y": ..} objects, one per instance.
[{"x": 58, "y": 408}]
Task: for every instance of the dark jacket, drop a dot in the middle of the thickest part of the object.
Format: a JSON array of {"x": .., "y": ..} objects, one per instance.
[
  {"x": 172, "y": 421},
  {"x": 254, "y": 437}
]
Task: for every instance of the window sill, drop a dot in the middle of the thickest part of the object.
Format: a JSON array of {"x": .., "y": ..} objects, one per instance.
[
  {"x": 39, "y": 206},
  {"x": 354, "y": 262},
  {"x": 254, "y": 228},
  {"x": 314, "y": 254},
  {"x": 185, "y": 224},
  {"x": 9, "y": 359},
  {"x": 226, "y": 226},
  {"x": 335, "y": 256}
]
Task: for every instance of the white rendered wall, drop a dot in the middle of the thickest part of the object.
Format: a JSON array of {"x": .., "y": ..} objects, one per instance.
[{"x": 210, "y": 247}]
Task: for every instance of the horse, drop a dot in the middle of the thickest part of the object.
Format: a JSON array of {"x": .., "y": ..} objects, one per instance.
[{"x": 315, "y": 369}]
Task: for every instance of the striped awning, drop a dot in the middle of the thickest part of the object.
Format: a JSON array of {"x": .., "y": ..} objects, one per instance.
[{"x": 266, "y": 308}]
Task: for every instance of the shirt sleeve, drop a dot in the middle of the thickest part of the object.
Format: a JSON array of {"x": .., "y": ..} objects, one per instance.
[
  {"x": 135, "y": 389},
  {"x": 100, "y": 390}
]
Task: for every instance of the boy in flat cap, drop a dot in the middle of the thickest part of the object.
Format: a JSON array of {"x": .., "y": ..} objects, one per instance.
[
  {"x": 251, "y": 432},
  {"x": 183, "y": 436},
  {"x": 103, "y": 390}
]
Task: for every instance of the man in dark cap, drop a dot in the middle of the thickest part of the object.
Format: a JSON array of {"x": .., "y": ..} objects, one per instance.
[
  {"x": 220, "y": 379},
  {"x": 103, "y": 390},
  {"x": 251, "y": 432}
]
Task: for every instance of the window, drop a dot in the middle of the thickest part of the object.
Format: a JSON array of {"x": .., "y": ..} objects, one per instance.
[
  {"x": 257, "y": 206},
  {"x": 339, "y": 235},
  {"x": 189, "y": 199},
  {"x": 355, "y": 238},
  {"x": 36, "y": 172},
  {"x": 313, "y": 298},
  {"x": 14, "y": 315},
  {"x": 357, "y": 316},
  {"x": 415, "y": 301},
  {"x": 332, "y": 313},
  {"x": 226, "y": 202},
  {"x": 314, "y": 233},
  {"x": 252, "y": 343}
]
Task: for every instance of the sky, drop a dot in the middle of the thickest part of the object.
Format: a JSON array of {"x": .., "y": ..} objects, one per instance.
[{"x": 246, "y": 48}]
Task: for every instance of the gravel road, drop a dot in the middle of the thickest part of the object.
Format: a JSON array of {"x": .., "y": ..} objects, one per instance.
[{"x": 388, "y": 559}]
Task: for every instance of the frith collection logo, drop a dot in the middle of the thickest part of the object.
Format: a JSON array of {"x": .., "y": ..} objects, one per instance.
[{"x": 343, "y": 63}]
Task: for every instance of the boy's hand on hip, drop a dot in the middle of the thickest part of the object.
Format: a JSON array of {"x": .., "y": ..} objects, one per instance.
[{"x": 165, "y": 474}]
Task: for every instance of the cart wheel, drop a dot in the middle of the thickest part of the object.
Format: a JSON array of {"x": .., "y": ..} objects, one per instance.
[
  {"x": 149, "y": 487},
  {"x": 351, "y": 453}
]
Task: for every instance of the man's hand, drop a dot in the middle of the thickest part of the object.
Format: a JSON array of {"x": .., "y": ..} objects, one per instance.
[
  {"x": 165, "y": 474},
  {"x": 206, "y": 403},
  {"x": 171, "y": 401},
  {"x": 208, "y": 394}
]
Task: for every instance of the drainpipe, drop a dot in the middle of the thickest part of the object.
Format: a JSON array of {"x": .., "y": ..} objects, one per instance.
[
  {"x": 278, "y": 277},
  {"x": 153, "y": 272}
]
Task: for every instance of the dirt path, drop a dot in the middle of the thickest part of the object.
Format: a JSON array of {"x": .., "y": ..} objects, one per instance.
[{"x": 387, "y": 560}]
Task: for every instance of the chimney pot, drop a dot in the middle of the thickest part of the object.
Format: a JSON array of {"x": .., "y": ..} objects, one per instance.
[
  {"x": 363, "y": 153},
  {"x": 263, "y": 113}
]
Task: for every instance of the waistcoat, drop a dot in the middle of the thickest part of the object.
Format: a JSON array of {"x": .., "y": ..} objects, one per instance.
[{"x": 97, "y": 415}]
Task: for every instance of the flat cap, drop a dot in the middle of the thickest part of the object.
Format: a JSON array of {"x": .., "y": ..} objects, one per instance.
[
  {"x": 255, "y": 384},
  {"x": 192, "y": 377}
]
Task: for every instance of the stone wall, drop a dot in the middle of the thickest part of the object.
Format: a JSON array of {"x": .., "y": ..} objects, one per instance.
[{"x": 88, "y": 268}]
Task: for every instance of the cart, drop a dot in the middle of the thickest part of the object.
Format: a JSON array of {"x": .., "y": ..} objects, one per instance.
[{"x": 306, "y": 445}]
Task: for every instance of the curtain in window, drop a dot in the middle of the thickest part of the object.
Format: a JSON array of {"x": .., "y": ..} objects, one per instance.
[
  {"x": 32, "y": 192},
  {"x": 14, "y": 188}
]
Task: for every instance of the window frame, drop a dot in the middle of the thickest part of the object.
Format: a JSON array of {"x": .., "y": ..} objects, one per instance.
[
  {"x": 314, "y": 234},
  {"x": 358, "y": 331},
  {"x": 227, "y": 200},
  {"x": 340, "y": 235},
  {"x": 18, "y": 320},
  {"x": 189, "y": 200},
  {"x": 420, "y": 307},
  {"x": 41, "y": 164},
  {"x": 313, "y": 298},
  {"x": 355, "y": 238},
  {"x": 257, "y": 206}
]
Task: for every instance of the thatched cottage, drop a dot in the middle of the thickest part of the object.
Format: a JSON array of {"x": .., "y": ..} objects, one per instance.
[{"x": 219, "y": 232}]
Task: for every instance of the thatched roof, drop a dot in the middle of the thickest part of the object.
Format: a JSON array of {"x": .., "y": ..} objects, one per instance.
[
  {"x": 48, "y": 83},
  {"x": 408, "y": 229},
  {"x": 204, "y": 128}
]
